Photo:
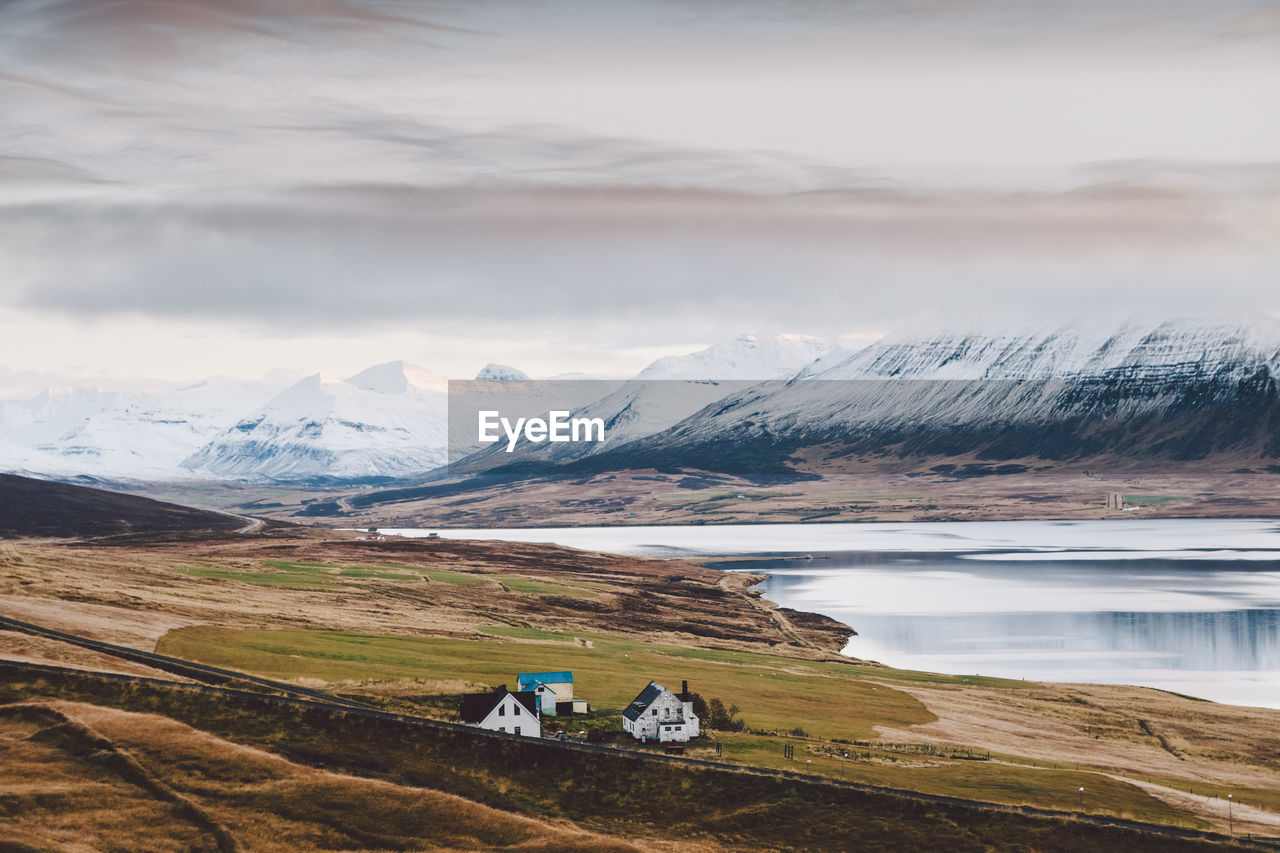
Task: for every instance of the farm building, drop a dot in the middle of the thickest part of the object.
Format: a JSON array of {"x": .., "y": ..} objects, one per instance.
[
  {"x": 554, "y": 691},
  {"x": 658, "y": 714},
  {"x": 503, "y": 711}
]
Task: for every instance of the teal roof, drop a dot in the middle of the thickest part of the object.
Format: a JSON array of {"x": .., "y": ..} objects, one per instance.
[{"x": 527, "y": 680}]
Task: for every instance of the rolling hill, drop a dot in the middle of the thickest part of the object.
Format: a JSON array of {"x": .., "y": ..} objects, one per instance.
[{"x": 38, "y": 508}]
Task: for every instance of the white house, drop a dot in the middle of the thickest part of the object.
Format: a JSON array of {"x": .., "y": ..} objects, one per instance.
[
  {"x": 503, "y": 711},
  {"x": 658, "y": 714}
]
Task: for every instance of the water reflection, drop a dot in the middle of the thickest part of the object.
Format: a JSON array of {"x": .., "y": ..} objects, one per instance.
[{"x": 1207, "y": 629}]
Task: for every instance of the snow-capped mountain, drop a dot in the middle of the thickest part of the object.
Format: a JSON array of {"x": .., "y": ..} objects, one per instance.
[
  {"x": 665, "y": 393},
  {"x": 386, "y": 421},
  {"x": 501, "y": 373},
  {"x": 1172, "y": 390},
  {"x": 1168, "y": 349},
  {"x": 115, "y": 435},
  {"x": 749, "y": 356}
]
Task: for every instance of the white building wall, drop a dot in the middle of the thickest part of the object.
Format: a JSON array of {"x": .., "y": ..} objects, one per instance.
[
  {"x": 508, "y": 715},
  {"x": 666, "y": 719}
]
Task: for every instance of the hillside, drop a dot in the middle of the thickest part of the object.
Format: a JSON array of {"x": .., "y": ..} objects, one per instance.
[
  {"x": 409, "y": 625},
  {"x": 34, "y": 508}
]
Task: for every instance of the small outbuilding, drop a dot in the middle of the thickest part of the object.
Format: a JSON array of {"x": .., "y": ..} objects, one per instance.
[
  {"x": 503, "y": 711},
  {"x": 553, "y": 689},
  {"x": 658, "y": 714}
]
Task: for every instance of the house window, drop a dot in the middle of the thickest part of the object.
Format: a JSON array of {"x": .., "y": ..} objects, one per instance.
[
  {"x": 502, "y": 710},
  {"x": 517, "y": 730},
  {"x": 654, "y": 712},
  {"x": 502, "y": 728}
]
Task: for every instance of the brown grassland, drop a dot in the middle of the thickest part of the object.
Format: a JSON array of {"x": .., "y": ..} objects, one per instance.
[{"x": 890, "y": 489}]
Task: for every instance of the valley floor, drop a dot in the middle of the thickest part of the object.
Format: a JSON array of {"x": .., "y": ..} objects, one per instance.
[{"x": 954, "y": 489}]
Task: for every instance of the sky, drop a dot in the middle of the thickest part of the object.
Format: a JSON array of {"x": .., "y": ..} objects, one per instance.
[{"x": 238, "y": 186}]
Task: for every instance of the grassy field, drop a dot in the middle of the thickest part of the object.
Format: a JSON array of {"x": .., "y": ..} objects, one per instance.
[
  {"x": 301, "y": 574},
  {"x": 970, "y": 778},
  {"x": 826, "y": 700},
  {"x": 413, "y": 624},
  {"x": 773, "y": 693}
]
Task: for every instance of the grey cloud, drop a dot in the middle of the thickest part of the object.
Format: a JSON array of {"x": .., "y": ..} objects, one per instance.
[
  {"x": 357, "y": 200},
  {"x": 625, "y": 264}
]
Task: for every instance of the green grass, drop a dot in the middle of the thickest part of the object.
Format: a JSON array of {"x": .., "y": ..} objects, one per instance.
[
  {"x": 537, "y": 587},
  {"x": 450, "y": 577},
  {"x": 824, "y": 698},
  {"x": 258, "y": 577},
  {"x": 519, "y": 633},
  {"x": 840, "y": 668},
  {"x": 1141, "y": 500},
  {"x": 285, "y": 573},
  {"x": 299, "y": 574},
  {"x": 975, "y": 780}
]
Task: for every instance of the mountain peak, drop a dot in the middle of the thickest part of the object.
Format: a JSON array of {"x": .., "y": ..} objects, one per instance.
[
  {"x": 396, "y": 377},
  {"x": 752, "y": 355},
  {"x": 502, "y": 373}
]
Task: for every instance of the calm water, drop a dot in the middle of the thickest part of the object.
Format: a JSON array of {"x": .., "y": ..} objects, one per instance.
[{"x": 1188, "y": 606}]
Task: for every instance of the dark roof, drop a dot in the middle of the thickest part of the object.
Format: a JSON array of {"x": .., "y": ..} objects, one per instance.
[
  {"x": 529, "y": 700},
  {"x": 477, "y": 706},
  {"x": 643, "y": 701}
]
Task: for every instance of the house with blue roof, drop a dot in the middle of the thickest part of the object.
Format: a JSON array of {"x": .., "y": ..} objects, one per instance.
[{"x": 554, "y": 691}]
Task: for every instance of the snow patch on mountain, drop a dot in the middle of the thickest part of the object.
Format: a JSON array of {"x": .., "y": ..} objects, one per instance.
[
  {"x": 502, "y": 373},
  {"x": 386, "y": 421},
  {"x": 749, "y": 356},
  {"x": 1165, "y": 348},
  {"x": 123, "y": 436}
]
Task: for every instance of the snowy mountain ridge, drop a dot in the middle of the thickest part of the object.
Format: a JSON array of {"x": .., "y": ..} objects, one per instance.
[
  {"x": 389, "y": 420},
  {"x": 748, "y": 356}
]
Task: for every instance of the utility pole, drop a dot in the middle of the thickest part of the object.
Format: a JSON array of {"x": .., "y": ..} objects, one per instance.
[
  {"x": 1231, "y": 826},
  {"x": 1082, "y": 798}
]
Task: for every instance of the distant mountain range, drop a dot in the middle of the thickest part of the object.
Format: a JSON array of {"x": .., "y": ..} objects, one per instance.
[
  {"x": 1171, "y": 389},
  {"x": 387, "y": 421}
]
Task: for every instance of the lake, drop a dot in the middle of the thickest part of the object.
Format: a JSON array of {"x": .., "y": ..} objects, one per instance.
[{"x": 1191, "y": 606}]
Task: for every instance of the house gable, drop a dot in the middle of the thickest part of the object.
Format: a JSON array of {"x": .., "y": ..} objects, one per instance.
[{"x": 502, "y": 710}]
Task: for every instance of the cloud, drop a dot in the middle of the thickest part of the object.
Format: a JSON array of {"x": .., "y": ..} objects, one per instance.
[
  {"x": 638, "y": 263},
  {"x": 628, "y": 173}
]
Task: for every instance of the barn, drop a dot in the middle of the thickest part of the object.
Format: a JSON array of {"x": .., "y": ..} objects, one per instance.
[{"x": 553, "y": 689}]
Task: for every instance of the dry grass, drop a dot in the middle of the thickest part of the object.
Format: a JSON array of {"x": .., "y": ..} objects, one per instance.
[
  {"x": 60, "y": 795},
  {"x": 874, "y": 490},
  {"x": 134, "y": 594}
]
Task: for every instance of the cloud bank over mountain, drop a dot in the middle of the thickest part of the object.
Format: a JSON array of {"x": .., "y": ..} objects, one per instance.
[{"x": 272, "y": 180}]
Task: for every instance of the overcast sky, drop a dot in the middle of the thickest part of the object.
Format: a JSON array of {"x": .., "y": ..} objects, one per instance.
[{"x": 231, "y": 186}]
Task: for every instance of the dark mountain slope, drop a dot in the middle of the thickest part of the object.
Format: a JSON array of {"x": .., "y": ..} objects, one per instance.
[{"x": 31, "y": 507}]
